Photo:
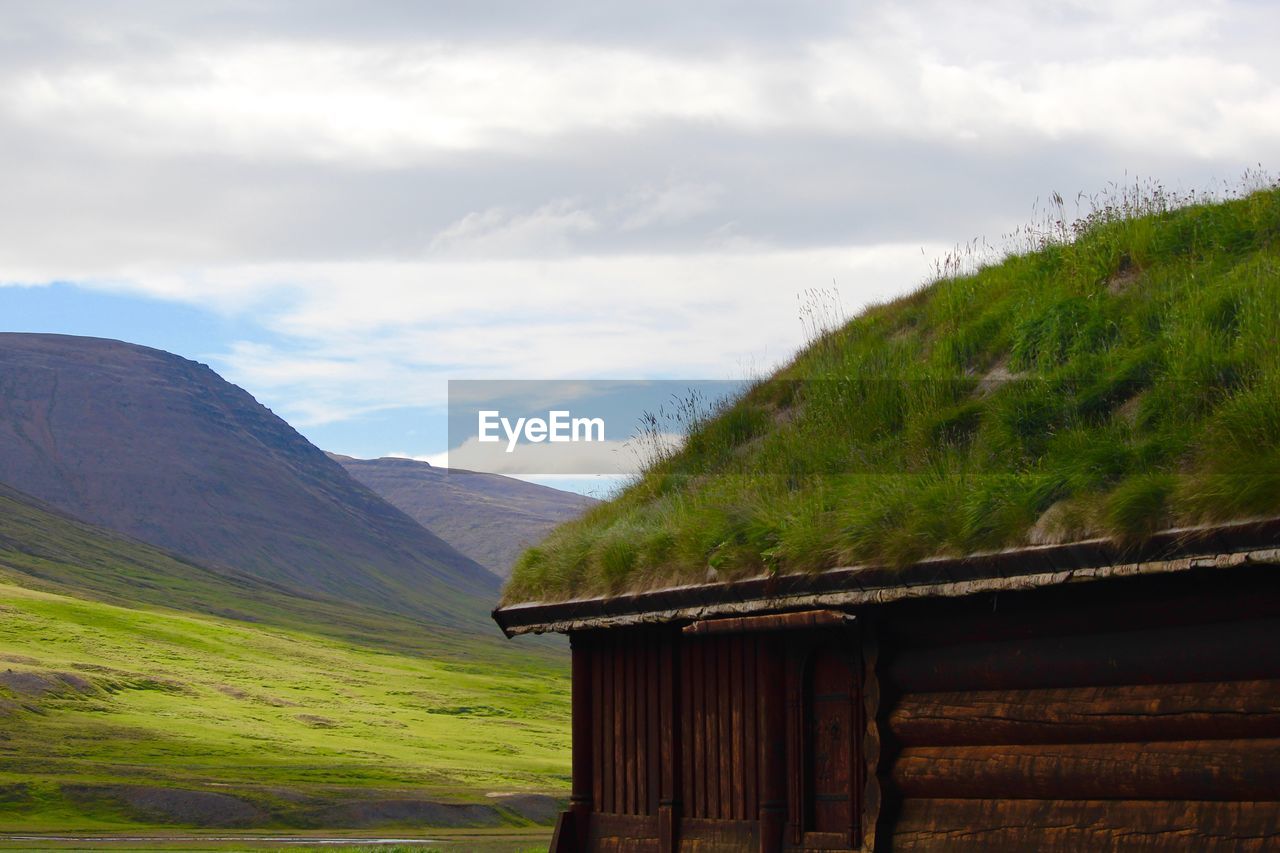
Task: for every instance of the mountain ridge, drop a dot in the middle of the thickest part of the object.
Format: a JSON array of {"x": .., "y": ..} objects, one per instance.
[
  {"x": 488, "y": 517},
  {"x": 162, "y": 449}
]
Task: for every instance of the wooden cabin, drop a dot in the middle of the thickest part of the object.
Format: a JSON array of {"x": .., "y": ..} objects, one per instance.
[{"x": 1068, "y": 697}]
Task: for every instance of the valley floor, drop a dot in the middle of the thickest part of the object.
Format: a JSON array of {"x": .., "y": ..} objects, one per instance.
[
  {"x": 117, "y": 719},
  {"x": 446, "y": 841}
]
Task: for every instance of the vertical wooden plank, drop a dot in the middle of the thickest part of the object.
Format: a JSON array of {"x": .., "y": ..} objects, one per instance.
[
  {"x": 751, "y": 747},
  {"x": 597, "y": 727},
  {"x": 642, "y": 725},
  {"x": 608, "y": 663},
  {"x": 711, "y": 723},
  {"x": 629, "y": 732},
  {"x": 640, "y": 699},
  {"x": 700, "y": 725},
  {"x": 857, "y": 779},
  {"x": 772, "y": 753},
  {"x": 670, "y": 673},
  {"x": 580, "y": 704},
  {"x": 724, "y": 741},
  {"x": 687, "y": 751},
  {"x": 738, "y": 793},
  {"x": 657, "y": 743},
  {"x": 795, "y": 677},
  {"x": 619, "y": 733}
]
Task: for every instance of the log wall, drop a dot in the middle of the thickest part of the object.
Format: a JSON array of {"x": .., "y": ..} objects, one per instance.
[
  {"x": 1138, "y": 714},
  {"x": 1081, "y": 720}
]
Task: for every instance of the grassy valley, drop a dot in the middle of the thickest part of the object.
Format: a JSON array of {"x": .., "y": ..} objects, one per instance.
[
  {"x": 124, "y": 706},
  {"x": 300, "y": 730}
]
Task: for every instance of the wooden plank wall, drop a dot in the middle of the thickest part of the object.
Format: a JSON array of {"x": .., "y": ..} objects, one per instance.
[
  {"x": 676, "y": 724},
  {"x": 1108, "y": 719},
  {"x": 626, "y": 771},
  {"x": 632, "y": 736},
  {"x": 719, "y": 724}
]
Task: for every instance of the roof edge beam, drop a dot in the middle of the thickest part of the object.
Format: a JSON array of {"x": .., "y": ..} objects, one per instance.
[{"x": 770, "y": 622}]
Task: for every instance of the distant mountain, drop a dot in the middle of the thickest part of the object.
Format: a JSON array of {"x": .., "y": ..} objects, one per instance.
[
  {"x": 164, "y": 450},
  {"x": 43, "y": 548},
  {"x": 488, "y": 517}
]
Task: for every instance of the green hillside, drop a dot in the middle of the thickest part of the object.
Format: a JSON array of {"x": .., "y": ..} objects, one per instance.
[
  {"x": 1118, "y": 376},
  {"x": 121, "y": 706},
  {"x": 44, "y": 549}
]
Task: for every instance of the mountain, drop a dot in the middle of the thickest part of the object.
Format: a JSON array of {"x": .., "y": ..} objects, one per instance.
[
  {"x": 163, "y": 450},
  {"x": 488, "y": 517}
]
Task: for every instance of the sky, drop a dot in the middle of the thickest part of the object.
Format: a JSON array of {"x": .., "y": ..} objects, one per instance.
[{"x": 340, "y": 206}]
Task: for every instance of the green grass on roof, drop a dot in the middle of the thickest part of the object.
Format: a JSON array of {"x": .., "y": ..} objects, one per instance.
[{"x": 1118, "y": 378}]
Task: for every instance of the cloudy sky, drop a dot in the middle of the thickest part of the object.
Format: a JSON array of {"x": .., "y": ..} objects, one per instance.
[{"x": 341, "y": 205}]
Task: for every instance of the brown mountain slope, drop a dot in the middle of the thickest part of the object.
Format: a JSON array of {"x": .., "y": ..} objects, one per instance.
[
  {"x": 163, "y": 449},
  {"x": 488, "y": 517},
  {"x": 46, "y": 549}
]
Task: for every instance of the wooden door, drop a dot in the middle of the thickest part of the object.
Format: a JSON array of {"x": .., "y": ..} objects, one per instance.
[
  {"x": 829, "y": 739},
  {"x": 826, "y": 725}
]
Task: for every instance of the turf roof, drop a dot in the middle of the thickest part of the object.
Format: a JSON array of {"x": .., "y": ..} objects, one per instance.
[{"x": 1117, "y": 377}]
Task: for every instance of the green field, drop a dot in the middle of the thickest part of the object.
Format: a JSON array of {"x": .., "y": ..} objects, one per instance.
[
  {"x": 505, "y": 840},
  {"x": 95, "y": 695},
  {"x": 299, "y": 712}
]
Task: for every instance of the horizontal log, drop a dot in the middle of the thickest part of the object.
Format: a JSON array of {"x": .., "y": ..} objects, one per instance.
[
  {"x": 703, "y": 834},
  {"x": 1228, "y": 651},
  {"x": 624, "y": 833},
  {"x": 1181, "y": 770},
  {"x": 1057, "y": 826},
  {"x": 623, "y": 844},
  {"x": 1124, "y": 604},
  {"x": 1126, "y": 712}
]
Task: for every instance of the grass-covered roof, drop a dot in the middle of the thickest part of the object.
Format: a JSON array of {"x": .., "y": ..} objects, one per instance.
[{"x": 1118, "y": 376}]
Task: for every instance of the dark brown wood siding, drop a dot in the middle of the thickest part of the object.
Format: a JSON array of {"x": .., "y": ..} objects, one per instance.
[
  {"x": 1131, "y": 714},
  {"x": 720, "y": 719},
  {"x": 631, "y": 734},
  {"x": 1128, "y": 716},
  {"x": 683, "y": 730},
  {"x": 626, "y": 744}
]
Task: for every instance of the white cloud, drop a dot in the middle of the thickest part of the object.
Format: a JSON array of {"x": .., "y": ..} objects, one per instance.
[
  {"x": 361, "y": 337},
  {"x": 390, "y": 105},
  {"x": 397, "y": 208},
  {"x": 670, "y": 205},
  {"x": 497, "y": 232}
]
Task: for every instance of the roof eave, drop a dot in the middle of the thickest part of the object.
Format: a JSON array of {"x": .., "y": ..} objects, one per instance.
[{"x": 1182, "y": 549}]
